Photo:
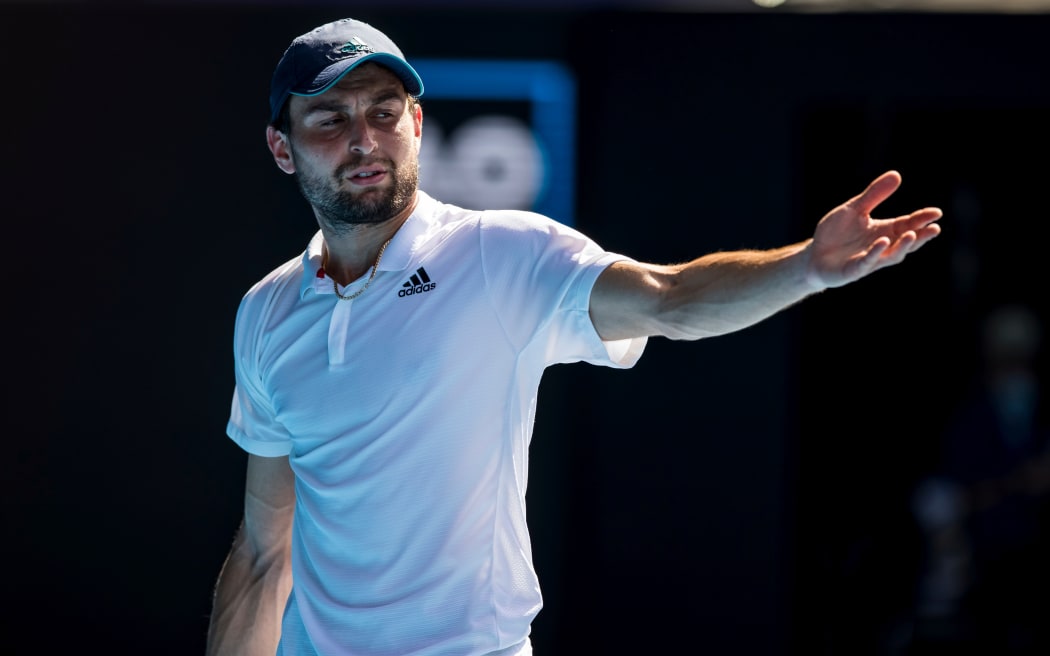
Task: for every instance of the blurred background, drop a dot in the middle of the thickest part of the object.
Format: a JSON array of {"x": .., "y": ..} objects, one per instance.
[{"x": 862, "y": 474}]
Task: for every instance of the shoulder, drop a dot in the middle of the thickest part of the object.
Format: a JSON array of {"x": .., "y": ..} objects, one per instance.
[
  {"x": 280, "y": 283},
  {"x": 522, "y": 226},
  {"x": 519, "y": 221},
  {"x": 441, "y": 214},
  {"x": 494, "y": 230},
  {"x": 531, "y": 235}
]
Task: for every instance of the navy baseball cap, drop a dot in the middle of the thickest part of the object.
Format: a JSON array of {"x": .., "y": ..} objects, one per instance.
[{"x": 318, "y": 59}]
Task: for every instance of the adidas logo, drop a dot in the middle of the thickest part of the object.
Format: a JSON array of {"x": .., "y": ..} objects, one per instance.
[
  {"x": 419, "y": 283},
  {"x": 354, "y": 48}
]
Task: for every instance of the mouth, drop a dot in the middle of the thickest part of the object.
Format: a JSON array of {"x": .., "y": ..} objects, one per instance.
[{"x": 367, "y": 176}]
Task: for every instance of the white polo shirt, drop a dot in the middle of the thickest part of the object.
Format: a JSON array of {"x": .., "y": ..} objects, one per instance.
[{"x": 406, "y": 414}]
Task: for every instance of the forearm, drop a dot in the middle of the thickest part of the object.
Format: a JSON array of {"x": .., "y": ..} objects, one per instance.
[
  {"x": 724, "y": 292},
  {"x": 712, "y": 295},
  {"x": 249, "y": 601}
]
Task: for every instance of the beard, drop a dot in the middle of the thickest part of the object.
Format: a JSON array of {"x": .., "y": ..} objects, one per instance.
[{"x": 342, "y": 209}]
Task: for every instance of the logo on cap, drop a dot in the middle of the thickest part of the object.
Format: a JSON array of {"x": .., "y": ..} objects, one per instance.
[{"x": 355, "y": 47}]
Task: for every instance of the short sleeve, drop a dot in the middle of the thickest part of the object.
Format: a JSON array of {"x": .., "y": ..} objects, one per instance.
[
  {"x": 253, "y": 424},
  {"x": 540, "y": 275}
]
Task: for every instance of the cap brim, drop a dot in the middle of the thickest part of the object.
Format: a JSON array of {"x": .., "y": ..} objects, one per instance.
[{"x": 332, "y": 74}]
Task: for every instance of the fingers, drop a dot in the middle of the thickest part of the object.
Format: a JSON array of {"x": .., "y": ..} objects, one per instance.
[
  {"x": 921, "y": 223},
  {"x": 904, "y": 245},
  {"x": 885, "y": 252},
  {"x": 875, "y": 252},
  {"x": 864, "y": 263},
  {"x": 879, "y": 190},
  {"x": 925, "y": 234},
  {"x": 925, "y": 216}
]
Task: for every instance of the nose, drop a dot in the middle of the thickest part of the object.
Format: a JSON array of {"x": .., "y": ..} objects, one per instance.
[{"x": 362, "y": 137}]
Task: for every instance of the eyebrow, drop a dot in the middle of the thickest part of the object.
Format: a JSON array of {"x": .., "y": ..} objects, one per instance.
[
  {"x": 323, "y": 106},
  {"x": 335, "y": 106}
]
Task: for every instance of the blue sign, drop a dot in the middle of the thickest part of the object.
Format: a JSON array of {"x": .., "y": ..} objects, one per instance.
[{"x": 508, "y": 140}]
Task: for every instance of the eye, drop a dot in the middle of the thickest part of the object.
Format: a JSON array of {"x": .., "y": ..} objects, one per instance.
[{"x": 387, "y": 111}]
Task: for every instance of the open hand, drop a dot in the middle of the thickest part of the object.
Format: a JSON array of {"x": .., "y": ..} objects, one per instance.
[{"x": 848, "y": 243}]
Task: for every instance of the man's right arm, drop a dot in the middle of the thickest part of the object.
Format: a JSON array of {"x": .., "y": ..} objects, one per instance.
[{"x": 256, "y": 578}]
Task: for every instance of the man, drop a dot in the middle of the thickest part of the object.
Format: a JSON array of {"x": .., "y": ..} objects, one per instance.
[{"x": 386, "y": 379}]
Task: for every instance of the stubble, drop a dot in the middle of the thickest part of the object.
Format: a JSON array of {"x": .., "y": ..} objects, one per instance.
[{"x": 342, "y": 209}]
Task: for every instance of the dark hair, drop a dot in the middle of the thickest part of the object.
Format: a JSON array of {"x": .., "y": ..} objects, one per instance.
[{"x": 283, "y": 123}]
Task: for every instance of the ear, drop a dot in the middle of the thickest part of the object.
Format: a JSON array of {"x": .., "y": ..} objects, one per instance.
[
  {"x": 280, "y": 148},
  {"x": 417, "y": 119}
]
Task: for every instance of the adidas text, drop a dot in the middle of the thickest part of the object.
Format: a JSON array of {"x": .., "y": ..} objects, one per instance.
[{"x": 418, "y": 289}]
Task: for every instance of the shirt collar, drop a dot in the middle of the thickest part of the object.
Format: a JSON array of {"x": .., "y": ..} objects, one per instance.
[{"x": 398, "y": 253}]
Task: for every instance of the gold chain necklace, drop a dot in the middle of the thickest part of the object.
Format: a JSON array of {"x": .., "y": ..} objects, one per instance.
[{"x": 375, "y": 268}]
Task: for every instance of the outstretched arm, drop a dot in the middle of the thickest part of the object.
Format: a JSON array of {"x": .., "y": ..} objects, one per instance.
[
  {"x": 256, "y": 578},
  {"x": 727, "y": 291}
]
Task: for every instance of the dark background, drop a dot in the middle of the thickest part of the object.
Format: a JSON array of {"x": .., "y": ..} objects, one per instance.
[{"x": 742, "y": 495}]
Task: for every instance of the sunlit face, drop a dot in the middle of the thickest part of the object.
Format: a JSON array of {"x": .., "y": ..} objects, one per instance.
[{"x": 354, "y": 149}]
